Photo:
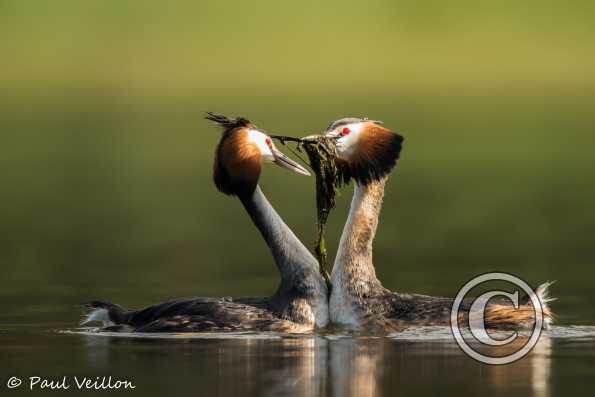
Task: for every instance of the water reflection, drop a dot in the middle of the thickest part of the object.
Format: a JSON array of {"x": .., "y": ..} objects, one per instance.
[
  {"x": 316, "y": 366},
  {"x": 375, "y": 367},
  {"x": 356, "y": 367},
  {"x": 541, "y": 366}
]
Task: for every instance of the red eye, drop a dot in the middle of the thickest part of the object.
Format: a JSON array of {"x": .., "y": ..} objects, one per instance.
[
  {"x": 345, "y": 131},
  {"x": 268, "y": 141}
]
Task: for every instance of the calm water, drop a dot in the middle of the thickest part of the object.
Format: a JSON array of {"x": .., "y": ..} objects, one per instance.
[{"x": 420, "y": 362}]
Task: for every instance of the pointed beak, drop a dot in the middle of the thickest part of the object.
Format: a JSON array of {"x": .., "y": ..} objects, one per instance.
[{"x": 285, "y": 162}]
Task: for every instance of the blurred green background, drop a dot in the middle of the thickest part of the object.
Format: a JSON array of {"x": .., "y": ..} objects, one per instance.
[{"x": 106, "y": 189}]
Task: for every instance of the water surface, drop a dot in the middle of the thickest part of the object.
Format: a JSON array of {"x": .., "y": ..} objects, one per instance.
[{"x": 423, "y": 361}]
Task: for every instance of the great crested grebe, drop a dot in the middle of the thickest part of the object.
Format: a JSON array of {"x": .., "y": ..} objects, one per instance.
[
  {"x": 300, "y": 303},
  {"x": 367, "y": 152}
]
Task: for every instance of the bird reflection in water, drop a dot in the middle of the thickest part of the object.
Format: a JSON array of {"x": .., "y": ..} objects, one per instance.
[{"x": 273, "y": 365}]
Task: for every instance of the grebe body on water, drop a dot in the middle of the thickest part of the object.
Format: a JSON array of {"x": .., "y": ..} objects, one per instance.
[{"x": 300, "y": 303}]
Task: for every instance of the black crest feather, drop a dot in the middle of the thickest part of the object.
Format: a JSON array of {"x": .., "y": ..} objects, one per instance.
[{"x": 228, "y": 123}]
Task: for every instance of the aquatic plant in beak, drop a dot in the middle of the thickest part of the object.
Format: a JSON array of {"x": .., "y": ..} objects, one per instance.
[{"x": 322, "y": 155}]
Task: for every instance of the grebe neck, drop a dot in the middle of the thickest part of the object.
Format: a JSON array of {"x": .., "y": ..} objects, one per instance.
[
  {"x": 292, "y": 258},
  {"x": 354, "y": 263}
]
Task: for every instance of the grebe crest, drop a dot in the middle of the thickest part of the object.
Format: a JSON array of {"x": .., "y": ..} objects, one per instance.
[{"x": 366, "y": 150}]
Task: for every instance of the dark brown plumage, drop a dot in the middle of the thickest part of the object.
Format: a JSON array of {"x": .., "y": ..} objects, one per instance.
[{"x": 202, "y": 314}]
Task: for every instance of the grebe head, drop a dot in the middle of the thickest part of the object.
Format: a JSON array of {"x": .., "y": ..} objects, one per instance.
[
  {"x": 240, "y": 153},
  {"x": 367, "y": 151}
]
